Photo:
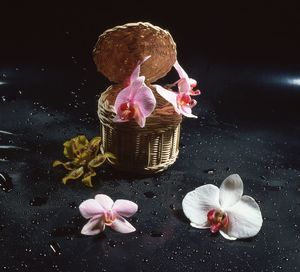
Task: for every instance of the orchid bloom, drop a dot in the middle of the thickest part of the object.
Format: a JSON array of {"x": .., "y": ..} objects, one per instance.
[
  {"x": 181, "y": 100},
  {"x": 227, "y": 210},
  {"x": 103, "y": 211},
  {"x": 136, "y": 101}
]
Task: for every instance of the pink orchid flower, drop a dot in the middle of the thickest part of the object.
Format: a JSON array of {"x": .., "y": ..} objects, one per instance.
[
  {"x": 136, "y": 101},
  {"x": 227, "y": 210},
  {"x": 103, "y": 211},
  {"x": 181, "y": 100}
]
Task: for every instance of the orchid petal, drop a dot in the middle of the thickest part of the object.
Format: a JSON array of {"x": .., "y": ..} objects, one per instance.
[
  {"x": 124, "y": 207},
  {"x": 196, "y": 204},
  {"x": 192, "y": 82},
  {"x": 135, "y": 86},
  {"x": 93, "y": 226},
  {"x": 184, "y": 86},
  {"x": 90, "y": 208},
  {"x": 187, "y": 111},
  {"x": 140, "y": 118},
  {"x": 226, "y": 236},
  {"x": 122, "y": 225},
  {"x": 245, "y": 219},
  {"x": 231, "y": 190},
  {"x": 204, "y": 226},
  {"x": 122, "y": 97},
  {"x": 145, "y": 99},
  {"x": 170, "y": 96},
  {"x": 119, "y": 120},
  {"x": 136, "y": 72},
  {"x": 105, "y": 201},
  {"x": 180, "y": 71}
]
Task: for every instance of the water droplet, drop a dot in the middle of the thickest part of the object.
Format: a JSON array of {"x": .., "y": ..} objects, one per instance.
[
  {"x": 172, "y": 206},
  {"x": 210, "y": 171},
  {"x": 112, "y": 243},
  {"x": 35, "y": 221},
  {"x": 55, "y": 248},
  {"x": 150, "y": 194},
  {"x": 145, "y": 260},
  {"x": 263, "y": 177},
  {"x": 38, "y": 201},
  {"x": 28, "y": 250},
  {"x": 73, "y": 205},
  {"x": 134, "y": 219},
  {"x": 155, "y": 233},
  {"x": 154, "y": 213},
  {"x": 2, "y": 226},
  {"x": 227, "y": 169},
  {"x": 5, "y": 182}
]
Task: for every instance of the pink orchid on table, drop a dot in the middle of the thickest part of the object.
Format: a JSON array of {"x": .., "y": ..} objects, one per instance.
[
  {"x": 136, "y": 101},
  {"x": 181, "y": 100},
  {"x": 103, "y": 211},
  {"x": 225, "y": 210}
]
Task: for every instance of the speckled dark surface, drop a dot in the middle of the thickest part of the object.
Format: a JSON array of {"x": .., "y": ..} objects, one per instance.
[{"x": 248, "y": 124}]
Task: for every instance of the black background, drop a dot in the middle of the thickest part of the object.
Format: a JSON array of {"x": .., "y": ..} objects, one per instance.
[
  {"x": 246, "y": 60},
  {"x": 256, "y": 45}
]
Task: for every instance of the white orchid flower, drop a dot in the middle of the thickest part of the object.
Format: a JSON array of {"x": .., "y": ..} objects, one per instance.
[{"x": 227, "y": 210}]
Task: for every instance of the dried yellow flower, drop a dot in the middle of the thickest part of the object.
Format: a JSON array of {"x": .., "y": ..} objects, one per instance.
[{"x": 84, "y": 157}]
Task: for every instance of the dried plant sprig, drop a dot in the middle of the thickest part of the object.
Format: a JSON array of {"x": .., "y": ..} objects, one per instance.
[{"x": 84, "y": 157}]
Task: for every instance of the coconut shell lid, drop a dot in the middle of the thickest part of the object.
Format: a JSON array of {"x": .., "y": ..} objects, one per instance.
[{"x": 118, "y": 51}]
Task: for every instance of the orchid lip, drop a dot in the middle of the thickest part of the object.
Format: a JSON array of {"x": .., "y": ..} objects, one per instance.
[
  {"x": 127, "y": 110},
  {"x": 109, "y": 217},
  {"x": 217, "y": 219},
  {"x": 136, "y": 100}
]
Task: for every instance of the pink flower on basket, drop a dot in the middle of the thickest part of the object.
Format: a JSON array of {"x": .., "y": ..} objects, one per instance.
[
  {"x": 136, "y": 101},
  {"x": 225, "y": 210},
  {"x": 181, "y": 100},
  {"x": 103, "y": 211}
]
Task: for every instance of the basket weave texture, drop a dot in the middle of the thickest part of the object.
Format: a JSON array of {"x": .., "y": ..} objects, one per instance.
[
  {"x": 140, "y": 150},
  {"x": 118, "y": 50}
]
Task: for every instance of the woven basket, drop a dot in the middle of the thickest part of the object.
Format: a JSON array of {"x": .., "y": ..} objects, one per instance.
[
  {"x": 140, "y": 150},
  {"x": 118, "y": 50}
]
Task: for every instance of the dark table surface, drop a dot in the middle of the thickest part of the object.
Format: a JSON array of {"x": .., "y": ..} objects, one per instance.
[{"x": 248, "y": 124}]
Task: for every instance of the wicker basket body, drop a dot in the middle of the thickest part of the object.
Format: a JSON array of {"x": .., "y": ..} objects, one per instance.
[
  {"x": 140, "y": 150},
  {"x": 117, "y": 52}
]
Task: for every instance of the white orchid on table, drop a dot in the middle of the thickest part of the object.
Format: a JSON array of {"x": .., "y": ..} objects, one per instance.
[{"x": 225, "y": 210}]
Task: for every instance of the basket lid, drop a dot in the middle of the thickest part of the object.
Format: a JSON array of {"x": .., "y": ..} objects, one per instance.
[{"x": 118, "y": 50}]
